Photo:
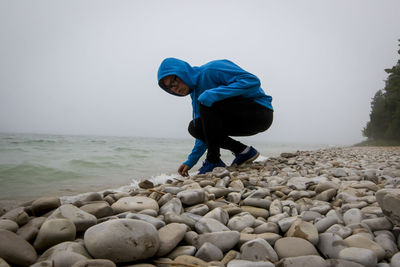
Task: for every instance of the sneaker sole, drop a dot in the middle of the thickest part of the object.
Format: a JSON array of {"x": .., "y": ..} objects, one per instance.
[{"x": 250, "y": 159}]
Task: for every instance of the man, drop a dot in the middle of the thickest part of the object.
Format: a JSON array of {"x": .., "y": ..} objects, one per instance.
[{"x": 227, "y": 101}]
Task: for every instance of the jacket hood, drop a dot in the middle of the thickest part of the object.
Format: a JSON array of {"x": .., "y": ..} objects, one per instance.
[{"x": 180, "y": 68}]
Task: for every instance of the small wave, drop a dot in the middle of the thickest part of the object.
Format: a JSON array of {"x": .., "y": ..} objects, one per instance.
[
  {"x": 32, "y": 142},
  {"x": 91, "y": 164}
]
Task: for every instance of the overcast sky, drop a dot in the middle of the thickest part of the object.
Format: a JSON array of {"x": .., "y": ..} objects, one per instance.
[{"x": 90, "y": 67}]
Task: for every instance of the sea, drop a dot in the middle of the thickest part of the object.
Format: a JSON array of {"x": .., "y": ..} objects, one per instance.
[{"x": 36, "y": 165}]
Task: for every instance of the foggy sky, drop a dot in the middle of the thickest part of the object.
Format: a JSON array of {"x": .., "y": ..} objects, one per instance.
[{"x": 90, "y": 67}]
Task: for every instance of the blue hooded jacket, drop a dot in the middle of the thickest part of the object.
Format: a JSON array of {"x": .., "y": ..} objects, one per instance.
[{"x": 209, "y": 83}]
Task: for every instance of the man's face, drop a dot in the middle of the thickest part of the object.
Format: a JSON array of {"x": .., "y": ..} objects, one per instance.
[{"x": 176, "y": 85}]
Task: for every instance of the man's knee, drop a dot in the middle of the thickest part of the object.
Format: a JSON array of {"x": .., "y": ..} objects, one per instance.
[{"x": 195, "y": 130}]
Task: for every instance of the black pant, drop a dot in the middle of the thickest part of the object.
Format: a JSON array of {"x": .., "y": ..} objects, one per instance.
[{"x": 234, "y": 116}]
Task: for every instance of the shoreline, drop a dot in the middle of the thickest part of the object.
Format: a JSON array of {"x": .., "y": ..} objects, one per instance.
[{"x": 230, "y": 216}]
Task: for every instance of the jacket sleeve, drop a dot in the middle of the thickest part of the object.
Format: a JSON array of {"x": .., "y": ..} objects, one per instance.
[
  {"x": 198, "y": 150},
  {"x": 233, "y": 83}
]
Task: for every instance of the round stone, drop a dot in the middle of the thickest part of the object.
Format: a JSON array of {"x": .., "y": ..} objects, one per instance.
[
  {"x": 294, "y": 247},
  {"x": 258, "y": 250},
  {"x": 134, "y": 204},
  {"x": 53, "y": 232},
  {"x": 122, "y": 240},
  {"x": 16, "y": 250},
  {"x": 45, "y": 204},
  {"x": 9, "y": 225},
  {"x": 362, "y": 256},
  {"x": 170, "y": 235},
  {"x": 80, "y": 218}
]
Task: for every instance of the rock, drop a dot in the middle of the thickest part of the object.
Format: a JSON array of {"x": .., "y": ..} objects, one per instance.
[
  {"x": 94, "y": 263},
  {"x": 360, "y": 241},
  {"x": 325, "y": 223},
  {"x": 395, "y": 260},
  {"x": 134, "y": 204},
  {"x": 191, "y": 197},
  {"x": 98, "y": 209},
  {"x": 294, "y": 247},
  {"x": 256, "y": 202},
  {"x": 268, "y": 227},
  {"x": 310, "y": 215},
  {"x": 256, "y": 212},
  {"x": 122, "y": 240},
  {"x": 340, "y": 230},
  {"x": 209, "y": 252},
  {"x": 330, "y": 245},
  {"x": 241, "y": 221},
  {"x": 146, "y": 184},
  {"x": 258, "y": 250},
  {"x": 80, "y": 218},
  {"x": 387, "y": 243},
  {"x": 389, "y": 201},
  {"x": 275, "y": 207},
  {"x": 339, "y": 172},
  {"x": 300, "y": 261},
  {"x": 199, "y": 209},
  {"x": 219, "y": 214},
  {"x": 186, "y": 259},
  {"x": 30, "y": 230},
  {"x": 157, "y": 223},
  {"x": 342, "y": 263},
  {"x": 209, "y": 225},
  {"x": 66, "y": 258},
  {"x": 377, "y": 224},
  {"x": 171, "y": 217},
  {"x": 53, "y": 232},
  {"x": 363, "y": 256},
  {"x": 224, "y": 240},
  {"x": 68, "y": 246},
  {"x": 242, "y": 263},
  {"x": 326, "y": 195},
  {"x": 174, "y": 205},
  {"x": 353, "y": 216},
  {"x": 45, "y": 204},
  {"x": 286, "y": 223},
  {"x": 182, "y": 250},
  {"x": 305, "y": 230},
  {"x": 3, "y": 263},
  {"x": 170, "y": 235},
  {"x": 9, "y": 225},
  {"x": 15, "y": 250},
  {"x": 17, "y": 215}
]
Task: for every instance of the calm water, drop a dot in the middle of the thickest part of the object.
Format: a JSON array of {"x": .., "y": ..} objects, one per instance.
[{"x": 34, "y": 165}]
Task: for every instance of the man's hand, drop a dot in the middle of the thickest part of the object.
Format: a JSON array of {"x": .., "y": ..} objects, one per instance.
[{"x": 183, "y": 170}]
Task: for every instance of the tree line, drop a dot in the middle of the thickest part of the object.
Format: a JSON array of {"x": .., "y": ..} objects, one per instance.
[{"x": 384, "y": 124}]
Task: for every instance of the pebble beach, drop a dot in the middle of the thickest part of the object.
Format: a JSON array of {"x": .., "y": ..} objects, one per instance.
[{"x": 328, "y": 207}]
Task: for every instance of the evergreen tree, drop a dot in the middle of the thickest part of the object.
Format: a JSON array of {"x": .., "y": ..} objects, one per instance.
[{"x": 384, "y": 121}]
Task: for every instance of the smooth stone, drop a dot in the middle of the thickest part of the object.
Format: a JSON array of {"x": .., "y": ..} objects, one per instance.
[
  {"x": 277, "y": 218},
  {"x": 310, "y": 215},
  {"x": 199, "y": 209},
  {"x": 30, "y": 230},
  {"x": 241, "y": 221},
  {"x": 353, "y": 216},
  {"x": 98, "y": 209},
  {"x": 271, "y": 238},
  {"x": 122, "y": 240},
  {"x": 16, "y": 250},
  {"x": 94, "y": 263},
  {"x": 286, "y": 223},
  {"x": 53, "y": 232},
  {"x": 330, "y": 245},
  {"x": 17, "y": 215},
  {"x": 209, "y": 252},
  {"x": 258, "y": 203},
  {"x": 258, "y": 250},
  {"x": 388, "y": 244},
  {"x": 326, "y": 195},
  {"x": 305, "y": 230},
  {"x": 185, "y": 218},
  {"x": 323, "y": 224},
  {"x": 376, "y": 224},
  {"x": 67, "y": 246},
  {"x": 323, "y": 209},
  {"x": 66, "y": 258},
  {"x": 256, "y": 212},
  {"x": 268, "y": 227},
  {"x": 360, "y": 241},
  {"x": 45, "y": 204},
  {"x": 236, "y": 184},
  {"x": 230, "y": 255},
  {"x": 170, "y": 235},
  {"x": 80, "y": 218},
  {"x": 294, "y": 247},
  {"x": 8, "y": 225},
  {"x": 174, "y": 205},
  {"x": 218, "y": 192},
  {"x": 224, "y": 240},
  {"x": 172, "y": 189},
  {"x": 242, "y": 263},
  {"x": 164, "y": 199},
  {"x": 260, "y": 193},
  {"x": 234, "y": 197},
  {"x": 191, "y": 197},
  {"x": 342, "y": 263},
  {"x": 275, "y": 207},
  {"x": 339, "y": 172},
  {"x": 395, "y": 260},
  {"x": 134, "y": 204},
  {"x": 300, "y": 261},
  {"x": 219, "y": 214},
  {"x": 363, "y": 256},
  {"x": 182, "y": 250},
  {"x": 146, "y": 184},
  {"x": 3, "y": 263},
  {"x": 323, "y": 186},
  {"x": 157, "y": 223},
  {"x": 188, "y": 260},
  {"x": 340, "y": 230},
  {"x": 389, "y": 201},
  {"x": 209, "y": 225}
]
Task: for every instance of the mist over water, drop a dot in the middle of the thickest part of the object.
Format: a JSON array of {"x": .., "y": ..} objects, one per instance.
[{"x": 33, "y": 165}]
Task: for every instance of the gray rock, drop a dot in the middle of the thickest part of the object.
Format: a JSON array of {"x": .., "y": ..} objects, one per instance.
[
  {"x": 191, "y": 197},
  {"x": 395, "y": 260},
  {"x": 330, "y": 245},
  {"x": 134, "y": 204},
  {"x": 305, "y": 230},
  {"x": 286, "y": 223},
  {"x": 326, "y": 195},
  {"x": 3, "y": 263},
  {"x": 184, "y": 218},
  {"x": 342, "y": 263},
  {"x": 30, "y": 230},
  {"x": 363, "y": 256},
  {"x": 242, "y": 263},
  {"x": 63, "y": 247},
  {"x": 17, "y": 215},
  {"x": 340, "y": 230},
  {"x": 353, "y": 216},
  {"x": 300, "y": 261},
  {"x": 209, "y": 252},
  {"x": 388, "y": 244},
  {"x": 15, "y": 250},
  {"x": 157, "y": 223},
  {"x": 224, "y": 240},
  {"x": 66, "y": 258},
  {"x": 53, "y": 232},
  {"x": 45, "y": 204},
  {"x": 294, "y": 247},
  {"x": 325, "y": 223},
  {"x": 219, "y": 214},
  {"x": 389, "y": 201},
  {"x": 258, "y": 250},
  {"x": 360, "y": 241},
  {"x": 256, "y": 212},
  {"x": 182, "y": 250},
  {"x": 339, "y": 172},
  {"x": 310, "y": 215},
  {"x": 174, "y": 205},
  {"x": 164, "y": 199},
  {"x": 122, "y": 240},
  {"x": 170, "y": 235},
  {"x": 234, "y": 197},
  {"x": 218, "y": 192},
  {"x": 376, "y": 224},
  {"x": 275, "y": 207},
  {"x": 241, "y": 221},
  {"x": 80, "y": 218},
  {"x": 209, "y": 225},
  {"x": 94, "y": 263},
  {"x": 199, "y": 209},
  {"x": 256, "y": 202},
  {"x": 268, "y": 227},
  {"x": 98, "y": 209},
  {"x": 9, "y": 225}
]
